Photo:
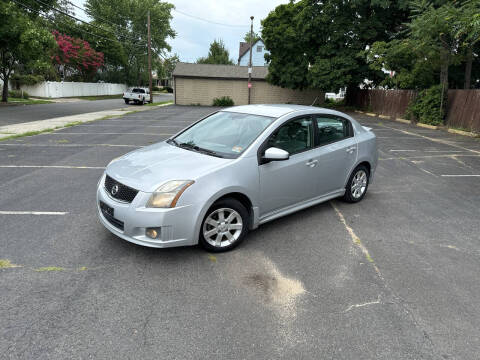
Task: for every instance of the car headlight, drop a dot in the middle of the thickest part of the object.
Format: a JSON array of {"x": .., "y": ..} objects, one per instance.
[{"x": 167, "y": 195}]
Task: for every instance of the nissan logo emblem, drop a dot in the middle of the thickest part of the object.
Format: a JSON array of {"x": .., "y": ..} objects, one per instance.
[{"x": 114, "y": 190}]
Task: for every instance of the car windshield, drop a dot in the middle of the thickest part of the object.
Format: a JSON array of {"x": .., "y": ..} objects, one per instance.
[{"x": 223, "y": 134}]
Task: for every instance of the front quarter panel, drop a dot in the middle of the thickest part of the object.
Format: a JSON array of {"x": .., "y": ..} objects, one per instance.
[{"x": 240, "y": 176}]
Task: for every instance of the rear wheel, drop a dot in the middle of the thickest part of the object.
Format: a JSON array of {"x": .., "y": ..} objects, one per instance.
[
  {"x": 225, "y": 226},
  {"x": 357, "y": 184},
  {"x": 126, "y": 101}
]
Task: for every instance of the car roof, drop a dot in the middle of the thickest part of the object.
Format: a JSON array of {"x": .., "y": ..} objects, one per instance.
[{"x": 278, "y": 110}]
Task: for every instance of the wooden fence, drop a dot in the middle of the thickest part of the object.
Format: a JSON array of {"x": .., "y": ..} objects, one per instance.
[
  {"x": 463, "y": 106},
  {"x": 463, "y": 109}
]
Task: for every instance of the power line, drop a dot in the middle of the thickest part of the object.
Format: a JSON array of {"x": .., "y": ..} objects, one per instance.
[
  {"x": 208, "y": 21},
  {"x": 81, "y": 30},
  {"x": 85, "y": 22}
]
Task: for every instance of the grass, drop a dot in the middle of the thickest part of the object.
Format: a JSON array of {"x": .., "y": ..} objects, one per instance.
[
  {"x": 5, "y": 264},
  {"x": 159, "y": 103},
  {"x": 100, "y": 97},
  {"x": 20, "y": 101},
  {"x": 29, "y": 133},
  {"x": 49, "y": 268}
]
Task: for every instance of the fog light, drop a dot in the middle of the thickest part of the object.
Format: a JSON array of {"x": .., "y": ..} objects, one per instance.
[{"x": 152, "y": 233}]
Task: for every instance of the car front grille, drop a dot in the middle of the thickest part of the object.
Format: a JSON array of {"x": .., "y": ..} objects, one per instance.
[
  {"x": 108, "y": 213},
  {"x": 119, "y": 191}
]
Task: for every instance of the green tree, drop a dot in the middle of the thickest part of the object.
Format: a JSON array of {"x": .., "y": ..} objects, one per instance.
[
  {"x": 166, "y": 66},
  {"x": 25, "y": 43},
  {"x": 255, "y": 37},
  {"x": 321, "y": 44},
  {"x": 217, "y": 54},
  {"x": 468, "y": 25},
  {"x": 126, "y": 21}
]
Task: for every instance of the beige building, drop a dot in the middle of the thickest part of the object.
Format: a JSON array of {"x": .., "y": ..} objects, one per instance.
[{"x": 199, "y": 84}]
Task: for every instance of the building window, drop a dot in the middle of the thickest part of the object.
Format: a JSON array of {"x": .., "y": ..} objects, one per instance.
[{"x": 259, "y": 48}]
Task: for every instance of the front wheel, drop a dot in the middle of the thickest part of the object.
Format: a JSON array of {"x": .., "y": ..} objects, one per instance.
[
  {"x": 225, "y": 226},
  {"x": 357, "y": 184},
  {"x": 126, "y": 101}
]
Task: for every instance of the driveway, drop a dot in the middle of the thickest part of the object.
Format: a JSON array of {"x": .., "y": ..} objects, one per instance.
[
  {"x": 26, "y": 113},
  {"x": 392, "y": 277}
]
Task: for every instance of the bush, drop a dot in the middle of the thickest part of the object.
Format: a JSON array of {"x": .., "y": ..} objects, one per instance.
[
  {"x": 223, "y": 101},
  {"x": 169, "y": 89},
  {"x": 426, "y": 106},
  {"x": 156, "y": 88},
  {"x": 18, "y": 94}
]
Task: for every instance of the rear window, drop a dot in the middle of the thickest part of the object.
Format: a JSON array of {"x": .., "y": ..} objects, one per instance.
[{"x": 136, "y": 90}]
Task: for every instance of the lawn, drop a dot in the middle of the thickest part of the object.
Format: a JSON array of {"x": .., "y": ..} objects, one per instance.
[{"x": 20, "y": 101}]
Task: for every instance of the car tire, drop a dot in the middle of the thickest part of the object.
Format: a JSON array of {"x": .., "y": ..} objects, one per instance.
[
  {"x": 357, "y": 184},
  {"x": 217, "y": 235},
  {"x": 126, "y": 101}
]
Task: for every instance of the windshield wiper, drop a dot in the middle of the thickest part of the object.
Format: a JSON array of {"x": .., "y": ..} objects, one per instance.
[
  {"x": 197, "y": 148},
  {"x": 173, "y": 141}
]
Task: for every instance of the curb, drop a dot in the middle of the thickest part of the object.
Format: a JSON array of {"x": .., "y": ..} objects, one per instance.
[
  {"x": 405, "y": 121},
  {"x": 464, "y": 133},
  {"x": 426, "y": 126},
  {"x": 49, "y": 125}
]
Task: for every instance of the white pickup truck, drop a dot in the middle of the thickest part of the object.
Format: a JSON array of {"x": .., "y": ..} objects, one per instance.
[{"x": 137, "y": 95}]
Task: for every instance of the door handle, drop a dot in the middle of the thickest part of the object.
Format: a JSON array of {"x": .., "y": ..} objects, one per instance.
[
  {"x": 312, "y": 163},
  {"x": 351, "y": 149}
]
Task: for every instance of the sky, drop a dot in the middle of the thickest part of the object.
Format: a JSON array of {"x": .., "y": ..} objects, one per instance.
[{"x": 194, "y": 35}]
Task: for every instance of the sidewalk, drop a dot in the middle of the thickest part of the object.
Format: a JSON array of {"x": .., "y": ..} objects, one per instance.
[{"x": 61, "y": 122}]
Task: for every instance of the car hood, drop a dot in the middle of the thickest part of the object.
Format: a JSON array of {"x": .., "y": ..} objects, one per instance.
[{"x": 147, "y": 168}]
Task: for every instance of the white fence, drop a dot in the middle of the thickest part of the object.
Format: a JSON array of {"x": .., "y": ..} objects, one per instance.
[{"x": 53, "y": 89}]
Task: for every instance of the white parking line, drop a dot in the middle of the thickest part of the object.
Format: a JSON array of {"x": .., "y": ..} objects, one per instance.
[
  {"x": 53, "y": 167},
  {"x": 162, "y": 126},
  {"x": 401, "y": 150},
  {"x": 102, "y": 133},
  {"x": 72, "y": 145},
  {"x": 33, "y": 213},
  {"x": 463, "y": 175}
]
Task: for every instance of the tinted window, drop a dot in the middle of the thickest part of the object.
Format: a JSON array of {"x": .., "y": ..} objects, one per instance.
[
  {"x": 141, "y": 91},
  {"x": 331, "y": 129},
  {"x": 295, "y": 136}
]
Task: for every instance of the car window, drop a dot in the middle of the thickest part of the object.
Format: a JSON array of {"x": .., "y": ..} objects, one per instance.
[
  {"x": 331, "y": 129},
  {"x": 140, "y": 91},
  {"x": 294, "y": 136},
  {"x": 226, "y": 133}
]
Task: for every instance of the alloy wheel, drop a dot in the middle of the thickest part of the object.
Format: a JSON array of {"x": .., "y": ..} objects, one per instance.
[
  {"x": 222, "y": 227},
  {"x": 359, "y": 184}
]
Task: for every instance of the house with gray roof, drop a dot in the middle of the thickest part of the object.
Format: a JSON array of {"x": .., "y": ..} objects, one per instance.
[
  {"x": 199, "y": 84},
  {"x": 258, "y": 53}
]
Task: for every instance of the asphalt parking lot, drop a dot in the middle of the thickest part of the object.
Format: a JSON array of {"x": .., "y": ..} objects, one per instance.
[{"x": 392, "y": 277}]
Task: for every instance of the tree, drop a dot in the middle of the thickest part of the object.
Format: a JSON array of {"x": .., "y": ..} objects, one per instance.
[
  {"x": 320, "y": 44},
  {"x": 165, "y": 68},
  {"x": 126, "y": 21},
  {"x": 468, "y": 34},
  {"x": 217, "y": 54},
  {"x": 255, "y": 37},
  {"x": 24, "y": 42},
  {"x": 76, "y": 56}
]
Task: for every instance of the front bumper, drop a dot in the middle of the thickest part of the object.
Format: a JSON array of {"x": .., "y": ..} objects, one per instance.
[{"x": 176, "y": 225}]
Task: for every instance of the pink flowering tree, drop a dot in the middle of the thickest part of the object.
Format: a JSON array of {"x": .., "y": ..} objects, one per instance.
[{"x": 77, "y": 56}]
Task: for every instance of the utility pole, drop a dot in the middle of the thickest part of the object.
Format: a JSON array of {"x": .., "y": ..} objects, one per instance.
[
  {"x": 250, "y": 62},
  {"x": 149, "y": 60}
]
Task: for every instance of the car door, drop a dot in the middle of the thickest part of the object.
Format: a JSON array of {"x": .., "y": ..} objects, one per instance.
[
  {"x": 335, "y": 151},
  {"x": 288, "y": 182}
]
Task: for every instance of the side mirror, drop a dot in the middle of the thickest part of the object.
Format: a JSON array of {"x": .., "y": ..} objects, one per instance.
[{"x": 275, "y": 154}]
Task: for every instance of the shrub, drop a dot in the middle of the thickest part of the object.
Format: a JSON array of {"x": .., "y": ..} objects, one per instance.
[
  {"x": 169, "y": 89},
  {"x": 223, "y": 101},
  {"x": 156, "y": 88},
  {"x": 425, "y": 108},
  {"x": 18, "y": 94}
]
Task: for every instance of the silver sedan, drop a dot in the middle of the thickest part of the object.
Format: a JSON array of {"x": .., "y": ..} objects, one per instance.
[{"x": 232, "y": 171}]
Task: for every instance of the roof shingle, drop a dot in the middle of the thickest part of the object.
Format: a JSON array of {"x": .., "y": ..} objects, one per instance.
[{"x": 219, "y": 71}]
